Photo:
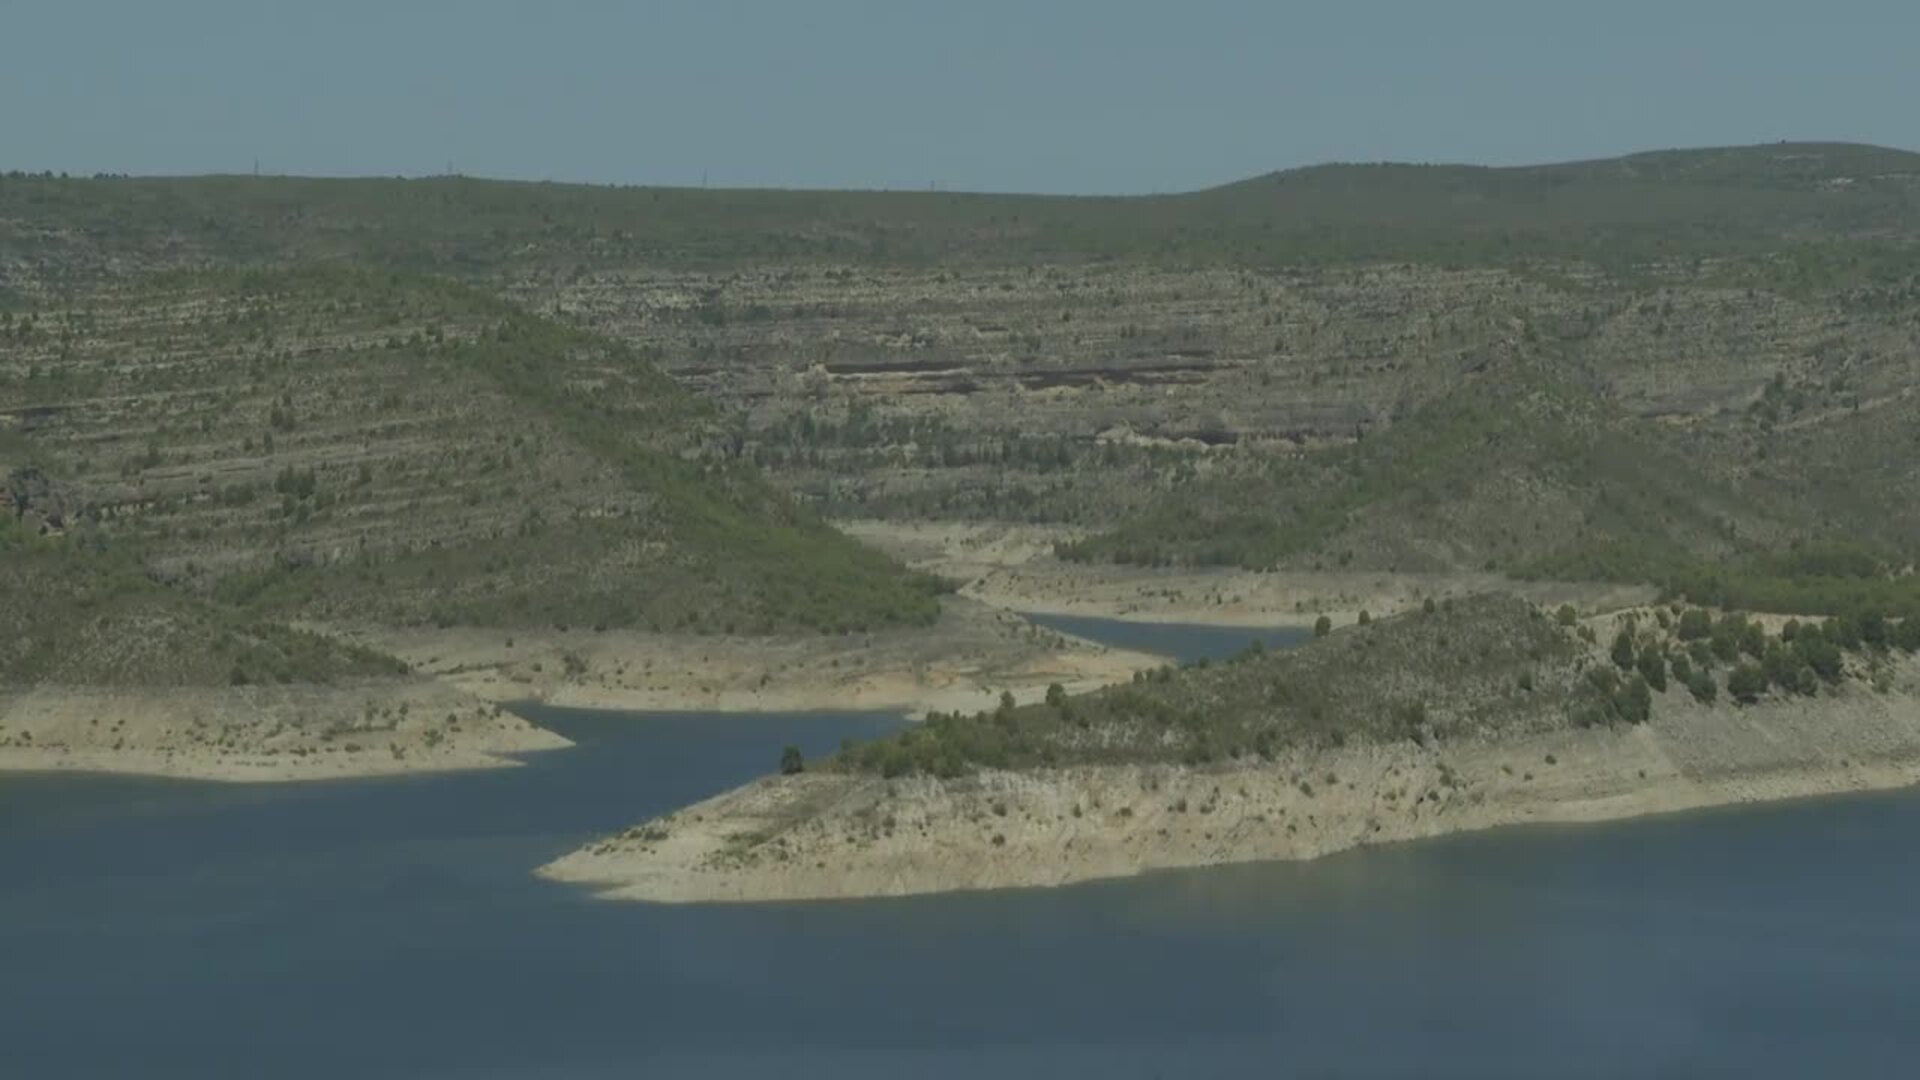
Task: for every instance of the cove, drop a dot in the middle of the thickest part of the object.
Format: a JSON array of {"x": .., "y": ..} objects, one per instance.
[{"x": 391, "y": 928}]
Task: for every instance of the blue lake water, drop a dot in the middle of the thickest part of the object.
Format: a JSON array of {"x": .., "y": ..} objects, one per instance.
[{"x": 391, "y": 928}]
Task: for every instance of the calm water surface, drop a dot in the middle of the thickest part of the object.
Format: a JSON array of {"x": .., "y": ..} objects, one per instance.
[{"x": 390, "y": 928}]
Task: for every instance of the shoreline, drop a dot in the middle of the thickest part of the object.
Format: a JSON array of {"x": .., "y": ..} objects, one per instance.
[
  {"x": 838, "y": 837},
  {"x": 963, "y": 662},
  {"x": 451, "y": 714},
  {"x": 262, "y": 734},
  {"x": 1011, "y": 567},
  {"x": 249, "y": 768}
]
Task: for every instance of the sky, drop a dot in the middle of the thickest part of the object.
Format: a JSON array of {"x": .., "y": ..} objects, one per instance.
[{"x": 1069, "y": 96}]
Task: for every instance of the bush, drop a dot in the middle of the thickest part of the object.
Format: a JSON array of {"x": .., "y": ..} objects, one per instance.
[
  {"x": 1364, "y": 617},
  {"x": 1322, "y": 626},
  {"x": 1633, "y": 702},
  {"x": 1747, "y": 683},
  {"x": 1701, "y": 685},
  {"x": 1624, "y": 654},
  {"x": 1823, "y": 657},
  {"x": 791, "y": 761},
  {"x": 1056, "y": 695},
  {"x": 1653, "y": 667},
  {"x": 1906, "y": 636},
  {"x": 1566, "y": 616},
  {"x": 1695, "y": 624}
]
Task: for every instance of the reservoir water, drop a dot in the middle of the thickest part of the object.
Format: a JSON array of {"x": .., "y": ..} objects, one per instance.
[{"x": 391, "y": 928}]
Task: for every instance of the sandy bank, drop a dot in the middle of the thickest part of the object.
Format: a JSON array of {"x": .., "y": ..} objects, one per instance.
[
  {"x": 965, "y": 661},
  {"x": 818, "y": 836},
  {"x": 449, "y": 717},
  {"x": 1012, "y": 567},
  {"x": 370, "y": 728}
]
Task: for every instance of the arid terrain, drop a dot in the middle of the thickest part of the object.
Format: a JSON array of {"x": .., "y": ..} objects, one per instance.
[
  {"x": 1485, "y": 758},
  {"x": 309, "y": 447}
]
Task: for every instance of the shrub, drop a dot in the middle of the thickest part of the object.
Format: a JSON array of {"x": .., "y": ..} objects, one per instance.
[
  {"x": 1747, "y": 682},
  {"x": 791, "y": 761},
  {"x": 1322, "y": 626},
  {"x": 1823, "y": 657},
  {"x": 1695, "y": 624},
  {"x": 1906, "y": 636},
  {"x": 1873, "y": 630},
  {"x": 1701, "y": 685},
  {"x": 1633, "y": 702},
  {"x": 1653, "y": 667},
  {"x": 1364, "y": 617},
  {"x": 1566, "y": 616},
  {"x": 1624, "y": 654},
  {"x": 1056, "y": 695}
]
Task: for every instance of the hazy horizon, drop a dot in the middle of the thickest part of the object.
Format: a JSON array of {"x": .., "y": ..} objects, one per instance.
[
  {"x": 267, "y": 174},
  {"x": 1073, "y": 98}
]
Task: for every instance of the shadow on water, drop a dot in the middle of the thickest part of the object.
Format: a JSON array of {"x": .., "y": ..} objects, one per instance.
[{"x": 391, "y": 928}]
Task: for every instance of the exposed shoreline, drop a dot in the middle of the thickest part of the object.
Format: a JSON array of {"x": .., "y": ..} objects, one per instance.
[
  {"x": 966, "y": 661},
  {"x": 262, "y": 734},
  {"x": 832, "y": 836},
  {"x": 1012, "y": 567}
]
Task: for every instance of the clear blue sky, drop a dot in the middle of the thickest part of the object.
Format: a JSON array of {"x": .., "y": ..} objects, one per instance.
[{"x": 1068, "y": 96}]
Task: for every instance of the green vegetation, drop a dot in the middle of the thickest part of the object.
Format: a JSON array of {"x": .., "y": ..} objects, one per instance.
[
  {"x": 1715, "y": 202},
  {"x": 347, "y": 446},
  {"x": 1480, "y": 666},
  {"x": 1514, "y": 471},
  {"x": 1484, "y": 666},
  {"x": 77, "y": 613},
  {"x": 445, "y": 401}
]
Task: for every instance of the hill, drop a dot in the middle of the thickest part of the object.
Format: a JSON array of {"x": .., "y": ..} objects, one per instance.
[
  {"x": 336, "y": 444},
  {"x": 1480, "y": 713},
  {"x": 1520, "y": 470},
  {"x": 1716, "y": 202},
  {"x": 102, "y": 668},
  {"x": 80, "y": 617}
]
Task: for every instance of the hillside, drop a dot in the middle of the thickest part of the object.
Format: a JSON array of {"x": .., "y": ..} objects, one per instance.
[
  {"x": 1708, "y": 202},
  {"x": 79, "y": 617},
  {"x": 101, "y": 668},
  {"x": 339, "y": 445},
  {"x": 1519, "y": 471},
  {"x": 1474, "y": 714},
  {"x": 926, "y": 355}
]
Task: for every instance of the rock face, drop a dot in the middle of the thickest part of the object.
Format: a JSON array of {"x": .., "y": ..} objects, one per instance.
[
  {"x": 990, "y": 390},
  {"x": 817, "y": 836}
]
